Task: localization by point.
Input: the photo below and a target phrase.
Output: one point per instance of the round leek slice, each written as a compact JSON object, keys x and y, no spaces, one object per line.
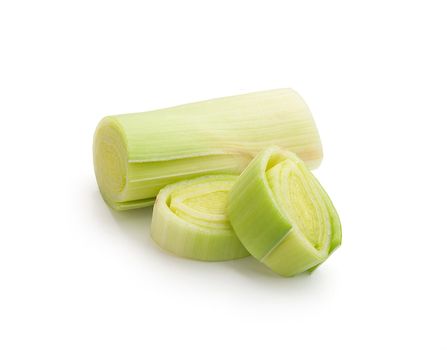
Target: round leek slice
{"x":282,"y":215}
{"x":190,"y":219}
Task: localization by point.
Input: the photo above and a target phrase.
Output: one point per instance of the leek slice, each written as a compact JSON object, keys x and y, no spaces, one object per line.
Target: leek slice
{"x":190,"y":220}
{"x":136,"y":155}
{"x":282,"y":215}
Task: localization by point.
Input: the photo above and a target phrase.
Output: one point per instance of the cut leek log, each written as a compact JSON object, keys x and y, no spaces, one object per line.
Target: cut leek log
{"x":282,"y":215}
{"x":135,"y":155}
{"x":190,"y":219}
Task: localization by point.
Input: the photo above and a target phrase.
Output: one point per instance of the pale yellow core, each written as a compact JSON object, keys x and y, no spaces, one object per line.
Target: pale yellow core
{"x":203,"y":204}
{"x":299,"y":201}
{"x":211,"y":203}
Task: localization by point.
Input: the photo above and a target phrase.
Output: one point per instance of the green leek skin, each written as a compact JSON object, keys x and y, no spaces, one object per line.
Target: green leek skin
{"x":136,"y":155}
{"x":290,"y":226}
{"x":190,"y":220}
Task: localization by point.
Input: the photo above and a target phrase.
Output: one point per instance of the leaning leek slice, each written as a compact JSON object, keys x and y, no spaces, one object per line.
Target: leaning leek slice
{"x":190,"y":219}
{"x":282,"y":215}
{"x":136,"y":155}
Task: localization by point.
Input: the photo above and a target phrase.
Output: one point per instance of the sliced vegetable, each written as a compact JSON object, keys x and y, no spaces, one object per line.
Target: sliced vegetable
{"x":190,"y":219}
{"x":282,"y":215}
{"x":135,"y":155}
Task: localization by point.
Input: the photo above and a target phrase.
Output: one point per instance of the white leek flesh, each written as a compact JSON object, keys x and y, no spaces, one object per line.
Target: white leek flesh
{"x":135,"y":155}
{"x":190,"y":219}
{"x":282,"y":215}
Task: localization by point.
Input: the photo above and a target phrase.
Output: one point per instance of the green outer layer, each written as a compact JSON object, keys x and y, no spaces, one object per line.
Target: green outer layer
{"x":135,"y":155}
{"x":264,"y":230}
{"x":189,"y":240}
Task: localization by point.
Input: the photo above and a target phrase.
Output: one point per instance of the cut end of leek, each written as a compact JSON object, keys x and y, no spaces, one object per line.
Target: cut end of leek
{"x":282,"y":215}
{"x":136,"y":155}
{"x":190,"y":220}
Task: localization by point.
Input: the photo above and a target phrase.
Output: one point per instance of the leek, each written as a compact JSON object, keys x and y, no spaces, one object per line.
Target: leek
{"x":190,"y":220}
{"x":136,"y":155}
{"x":282,"y":215}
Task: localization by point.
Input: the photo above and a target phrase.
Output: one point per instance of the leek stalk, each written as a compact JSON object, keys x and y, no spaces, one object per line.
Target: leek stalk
{"x":136,"y":155}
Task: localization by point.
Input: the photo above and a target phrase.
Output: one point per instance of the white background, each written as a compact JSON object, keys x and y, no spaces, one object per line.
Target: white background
{"x":76,"y":275}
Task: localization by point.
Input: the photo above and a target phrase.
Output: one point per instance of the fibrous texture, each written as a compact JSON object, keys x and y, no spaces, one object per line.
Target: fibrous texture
{"x":282,"y":215}
{"x":135,"y":155}
{"x":190,"y":219}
